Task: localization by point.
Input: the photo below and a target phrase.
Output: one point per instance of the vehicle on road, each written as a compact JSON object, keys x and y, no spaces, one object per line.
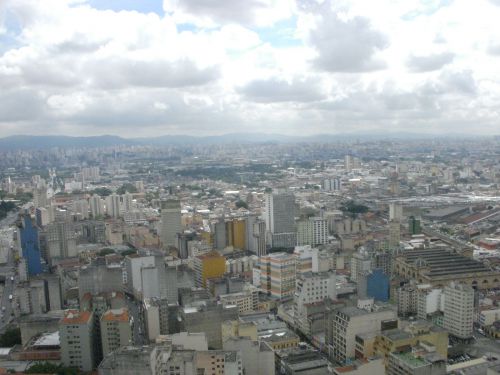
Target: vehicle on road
{"x":10,"y":297}
{"x":3,"y":308}
{"x":12,"y":278}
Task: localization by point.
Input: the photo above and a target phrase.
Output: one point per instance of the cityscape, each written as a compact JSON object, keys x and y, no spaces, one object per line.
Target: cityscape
{"x":258,"y":187}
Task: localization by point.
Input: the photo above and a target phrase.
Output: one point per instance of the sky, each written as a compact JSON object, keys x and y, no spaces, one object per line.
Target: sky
{"x":205,"y":67}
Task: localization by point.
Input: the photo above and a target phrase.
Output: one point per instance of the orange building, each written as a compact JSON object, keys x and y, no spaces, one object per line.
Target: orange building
{"x":208,"y":266}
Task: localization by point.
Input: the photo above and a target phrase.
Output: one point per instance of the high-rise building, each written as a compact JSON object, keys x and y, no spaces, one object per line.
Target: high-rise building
{"x":96,"y":206}
{"x":61,"y":240}
{"x":236,"y":233}
{"x":395,"y":212}
{"x":312,"y":231}
{"x":113,"y":205}
{"x":76,"y":336}
{"x":348,"y":322}
{"x":170,"y":221}
{"x":81,"y":208}
{"x":133,"y":266}
{"x":156,"y":317}
{"x":312,"y":287}
{"x":116,"y":330}
{"x":40,"y":197}
{"x":207,"y":266}
{"x":360,"y":262}
{"x":278,"y":275}
{"x":394,"y":234}
{"x":28,"y":235}
{"x":414,"y":226}
{"x":459,"y":310}
{"x":256,"y":235}
{"x":127,"y":202}
{"x":332,"y":184}
{"x":280,"y":219}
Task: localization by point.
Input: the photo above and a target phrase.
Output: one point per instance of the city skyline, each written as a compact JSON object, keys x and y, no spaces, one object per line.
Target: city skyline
{"x":149,"y":68}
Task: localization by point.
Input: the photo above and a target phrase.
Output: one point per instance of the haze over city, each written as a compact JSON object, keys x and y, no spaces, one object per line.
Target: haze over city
{"x":149,"y":68}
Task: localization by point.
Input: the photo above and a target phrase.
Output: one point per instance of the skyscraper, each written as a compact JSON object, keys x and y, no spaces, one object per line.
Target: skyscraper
{"x":280,"y":219}
{"x":96,"y":206}
{"x":459,"y":310}
{"x":170,"y":221}
{"x":113,"y":205}
{"x":28,"y":235}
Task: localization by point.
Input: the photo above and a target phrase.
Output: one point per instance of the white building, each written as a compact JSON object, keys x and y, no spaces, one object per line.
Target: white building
{"x":312,"y":231}
{"x":459,"y":310}
{"x":96,"y":206}
{"x":170,"y":222}
{"x":314,"y":287}
{"x":113,"y":205}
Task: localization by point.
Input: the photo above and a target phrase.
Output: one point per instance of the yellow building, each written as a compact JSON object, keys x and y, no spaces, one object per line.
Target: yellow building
{"x":287,"y":340}
{"x":208,"y":266}
{"x":394,"y":340}
{"x":236,"y":230}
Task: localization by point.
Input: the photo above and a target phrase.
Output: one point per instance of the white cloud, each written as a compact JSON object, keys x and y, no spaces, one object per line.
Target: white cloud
{"x":224,"y":66}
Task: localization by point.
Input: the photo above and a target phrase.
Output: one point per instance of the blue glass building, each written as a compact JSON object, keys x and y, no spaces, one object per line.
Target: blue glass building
{"x":377,"y":285}
{"x":30,"y":246}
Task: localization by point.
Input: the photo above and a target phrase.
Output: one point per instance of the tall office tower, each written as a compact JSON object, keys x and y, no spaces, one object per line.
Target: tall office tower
{"x":208,"y":266}
{"x":90,"y":174}
{"x":331,"y":184}
{"x":394,"y":234}
{"x":360,"y":263}
{"x":459,"y":310}
{"x":395,"y":212}
{"x":351,"y":162}
{"x":44,"y":216}
{"x":81,"y":207}
{"x":116,"y":330}
{"x":156,"y":317}
{"x":127,"y":202}
{"x":280,"y":219}
{"x":61,"y":240}
{"x":40,"y":197}
{"x":348,"y":322}
{"x":236,"y":233}
{"x":76,"y":336}
{"x":170,"y":221}
{"x":312,"y":231}
{"x":220,"y":234}
{"x":256,"y":235}
{"x":96,"y":206}
{"x":113,"y":205}
{"x":278,"y":275}
{"x":28,"y":235}
{"x":133,"y":266}
{"x":414,"y":225}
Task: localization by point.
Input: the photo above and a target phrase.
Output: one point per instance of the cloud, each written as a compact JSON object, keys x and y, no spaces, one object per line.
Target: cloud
{"x":119,"y":73}
{"x":244,"y":12}
{"x":347,"y":45}
{"x":430,"y":62}
{"x":494,"y":49}
{"x":278,"y":90}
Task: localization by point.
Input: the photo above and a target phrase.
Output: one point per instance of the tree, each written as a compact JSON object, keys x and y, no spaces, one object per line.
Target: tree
{"x":126,"y":187}
{"x":128,"y":252}
{"x":106,"y":251}
{"x":10,"y":338}
{"x":241,"y":203}
{"x":103,"y":192}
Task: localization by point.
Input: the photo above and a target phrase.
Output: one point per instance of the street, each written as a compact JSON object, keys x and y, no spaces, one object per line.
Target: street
{"x":7,"y":270}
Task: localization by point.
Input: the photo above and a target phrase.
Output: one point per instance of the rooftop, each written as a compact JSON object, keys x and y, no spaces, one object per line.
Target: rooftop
{"x":76,"y":317}
{"x":118,"y":315}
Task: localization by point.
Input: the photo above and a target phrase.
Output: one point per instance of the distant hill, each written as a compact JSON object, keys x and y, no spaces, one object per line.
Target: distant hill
{"x":32,"y":142}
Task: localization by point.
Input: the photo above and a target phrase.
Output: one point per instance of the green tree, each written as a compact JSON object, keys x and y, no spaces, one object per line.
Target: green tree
{"x":126,"y":187}
{"x":10,"y":338}
{"x":241,"y":203}
{"x":106,"y":251}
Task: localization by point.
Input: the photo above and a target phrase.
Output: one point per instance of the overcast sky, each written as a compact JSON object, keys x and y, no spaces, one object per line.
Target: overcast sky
{"x":203,"y":67}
